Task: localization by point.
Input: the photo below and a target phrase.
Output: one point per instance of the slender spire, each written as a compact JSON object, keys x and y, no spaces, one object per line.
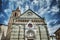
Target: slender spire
{"x":17,"y":9}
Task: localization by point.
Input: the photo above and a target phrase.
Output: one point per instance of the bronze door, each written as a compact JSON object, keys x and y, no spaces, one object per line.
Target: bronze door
{"x":30,"y":39}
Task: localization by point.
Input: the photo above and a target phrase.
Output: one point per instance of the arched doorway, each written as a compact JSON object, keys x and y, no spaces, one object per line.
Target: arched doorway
{"x":30,"y":35}
{"x":30,"y":39}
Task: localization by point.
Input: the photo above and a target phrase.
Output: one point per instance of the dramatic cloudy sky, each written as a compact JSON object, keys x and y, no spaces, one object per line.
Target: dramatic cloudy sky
{"x":48,"y":9}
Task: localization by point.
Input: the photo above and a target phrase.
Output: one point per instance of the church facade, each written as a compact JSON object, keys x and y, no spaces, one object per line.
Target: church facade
{"x":26,"y":26}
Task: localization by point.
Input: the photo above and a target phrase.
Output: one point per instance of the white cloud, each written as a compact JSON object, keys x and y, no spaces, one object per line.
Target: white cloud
{"x":48,"y":2}
{"x":55,"y":9}
{"x":19,"y":3}
{"x":54,"y":20}
{"x":22,"y":10}
{"x":6,"y":22}
{"x":8,"y":12}
{"x":12,"y":0}
{"x":53,"y":29}
{"x":20,"y":7}
{"x":26,"y":7}
{"x":1,"y":15}
{"x":42,"y":11}
{"x":36,"y":1}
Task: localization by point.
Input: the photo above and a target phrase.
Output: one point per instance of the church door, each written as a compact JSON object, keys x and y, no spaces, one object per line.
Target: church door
{"x":30,"y":39}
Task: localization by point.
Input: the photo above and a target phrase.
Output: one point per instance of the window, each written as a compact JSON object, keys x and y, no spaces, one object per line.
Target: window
{"x":29,"y":13}
{"x":15,"y":14}
{"x":29,"y":25}
{"x":30,"y":33}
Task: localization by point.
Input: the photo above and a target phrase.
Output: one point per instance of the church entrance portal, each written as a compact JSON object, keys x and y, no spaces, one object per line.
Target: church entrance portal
{"x":30,"y":39}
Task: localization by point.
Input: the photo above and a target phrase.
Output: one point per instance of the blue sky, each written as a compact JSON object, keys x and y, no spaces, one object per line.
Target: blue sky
{"x":48,"y":9}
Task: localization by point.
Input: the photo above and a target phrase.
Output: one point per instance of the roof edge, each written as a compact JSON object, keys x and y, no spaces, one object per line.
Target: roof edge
{"x":33,"y":12}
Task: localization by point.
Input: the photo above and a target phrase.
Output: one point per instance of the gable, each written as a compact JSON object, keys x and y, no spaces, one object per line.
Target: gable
{"x":29,"y":14}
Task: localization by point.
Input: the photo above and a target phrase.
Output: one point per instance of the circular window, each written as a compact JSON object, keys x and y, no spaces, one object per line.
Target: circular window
{"x":29,"y":25}
{"x":30,"y":33}
{"x":29,"y":13}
